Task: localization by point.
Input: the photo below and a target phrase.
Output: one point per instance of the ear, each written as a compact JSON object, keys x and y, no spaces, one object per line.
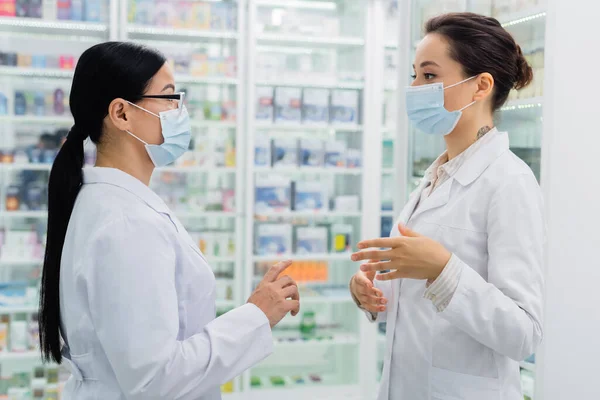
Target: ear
{"x":118,"y":113}
{"x":485,"y":86}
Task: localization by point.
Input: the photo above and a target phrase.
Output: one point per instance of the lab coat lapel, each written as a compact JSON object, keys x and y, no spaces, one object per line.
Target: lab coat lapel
{"x":438,"y":198}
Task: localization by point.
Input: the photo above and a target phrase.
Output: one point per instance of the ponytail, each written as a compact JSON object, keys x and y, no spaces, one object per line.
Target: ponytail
{"x":66,"y":178}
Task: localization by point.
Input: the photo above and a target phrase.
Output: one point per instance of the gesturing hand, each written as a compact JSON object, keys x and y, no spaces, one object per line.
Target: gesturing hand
{"x":408,"y":256}
{"x":276,"y":296}
{"x":369,"y":297}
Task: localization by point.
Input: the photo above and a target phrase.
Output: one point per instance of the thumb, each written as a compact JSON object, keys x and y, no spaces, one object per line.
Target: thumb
{"x":404,"y":231}
{"x":370,"y":275}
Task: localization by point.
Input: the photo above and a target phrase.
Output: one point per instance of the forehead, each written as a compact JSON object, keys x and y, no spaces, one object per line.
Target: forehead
{"x":433,"y":47}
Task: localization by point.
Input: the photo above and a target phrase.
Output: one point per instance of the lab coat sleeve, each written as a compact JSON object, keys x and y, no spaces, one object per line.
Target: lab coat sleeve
{"x":134,"y":307}
{"x":505,"y":313}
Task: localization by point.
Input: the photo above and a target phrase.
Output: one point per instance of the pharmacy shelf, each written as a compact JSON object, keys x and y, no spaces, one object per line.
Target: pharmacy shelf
{"x":307,"y":128}
{"x":205,"y":214}
{"x":35,"y":119}
{"x":197,"y":169}
{"x":330,"y":84}
{"x":292,"y":391}
{"x":523,"y":104}
{"x":165,"y":33}
{"x":388,"y":214}
{"x":343,"y":339}
{"x":221,"y":259}
{"x":308,"y":214}
{"x":312,"y":41}
{"x":47,"y":27}
{"x":24,"y":214}
{"x":338,"y":299}
{"x":8,"y":356}
{"x":388,"y":171}
{"x":223,"y":304}
{"x":309,"y":170}
{"x":389,"y":132}
{"x":302,"y":257}
{"x":209,"y":80}
{"x":19,"y":309}
{"x":522,"y":17}
{"x":200,"y":123}
{"x":527,"y":366}
{"x":325,"y":6}
{"x":380,"y":338}
{"x":26,"y":167}
{"x":36,"y":72}
{"x":5,"y":263}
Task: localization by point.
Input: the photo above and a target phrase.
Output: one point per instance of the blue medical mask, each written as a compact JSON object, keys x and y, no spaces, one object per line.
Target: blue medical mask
{"x":425,"y":108}
{"x":176,"y":131}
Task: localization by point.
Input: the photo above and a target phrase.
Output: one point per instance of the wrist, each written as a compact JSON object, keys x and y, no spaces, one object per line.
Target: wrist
{"x":443,"y":260}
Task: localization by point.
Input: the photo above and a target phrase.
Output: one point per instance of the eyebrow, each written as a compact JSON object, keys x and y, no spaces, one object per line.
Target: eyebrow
{"x":427,"y":63}
{"x":168,"y":86}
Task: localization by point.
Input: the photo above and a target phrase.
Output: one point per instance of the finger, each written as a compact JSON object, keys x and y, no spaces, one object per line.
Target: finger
{"x":378,"y":266}
{"x":404,"y":231}
{"x":372,"y":300}
{"x":370,"y":274}
{"x":290,"y":292}
{"x":374,"y":308}
{"x":293,"y":306}
{"x":376,"y":255}
{"x":284,"y":281}
{"x":276,"y":269}
{"x":388,"y":276}
{"x":364,"y":281}
{"x":379,"y":243}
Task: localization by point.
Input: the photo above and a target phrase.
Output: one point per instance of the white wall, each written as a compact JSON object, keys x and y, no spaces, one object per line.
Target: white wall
{"x":570,"y":360}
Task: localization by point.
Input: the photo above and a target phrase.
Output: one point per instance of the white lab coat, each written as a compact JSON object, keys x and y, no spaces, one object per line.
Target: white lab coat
{"x":489,"y":214}
{"x":137,"y":302}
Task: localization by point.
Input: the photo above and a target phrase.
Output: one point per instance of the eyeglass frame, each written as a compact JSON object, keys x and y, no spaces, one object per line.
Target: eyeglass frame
{"x":175,"y":96}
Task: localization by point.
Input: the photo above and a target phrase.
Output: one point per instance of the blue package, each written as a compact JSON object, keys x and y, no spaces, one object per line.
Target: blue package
{"x":93,"y":11}
{"x":311,"y":240}
{"x":272,"y":194}
{"x":262,"y":151}
{"x":76,"y":10}
{"x":3,"y":104}
{"x":38,"y":61}
{"x":315,"y":106}
{"x":218,"y":16}
{"x":39,"y":104}
{"x":272,"y":239}
{"x":353,"y":158}
{"x":12,"y":293}
{"x":309,"y":196}
{"x":387,"y":224}
{"x":344,"y":107}
{"x":20,"y":103}
{"x":264,"y":104}
{"x":284,"y":152}
{"x":312,"y":153}
{"x":288,"y":105}
{"x":335,"y":154}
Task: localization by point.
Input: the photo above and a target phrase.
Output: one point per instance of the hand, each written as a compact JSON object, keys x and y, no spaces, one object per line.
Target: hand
{"x":409,"y":256}
{"x":273,"y":294}
{"x":370,"y":298}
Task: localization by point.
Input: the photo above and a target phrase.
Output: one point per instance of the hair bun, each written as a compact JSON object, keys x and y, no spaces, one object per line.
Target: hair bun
{"x":524,"y":72}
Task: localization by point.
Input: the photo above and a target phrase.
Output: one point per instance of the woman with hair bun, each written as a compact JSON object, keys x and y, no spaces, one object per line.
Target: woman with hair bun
{"x":462,"y":295}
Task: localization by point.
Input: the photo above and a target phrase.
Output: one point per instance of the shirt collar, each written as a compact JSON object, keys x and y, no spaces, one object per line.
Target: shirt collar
{"x":118,"y":178}
{"x":456,"y":167}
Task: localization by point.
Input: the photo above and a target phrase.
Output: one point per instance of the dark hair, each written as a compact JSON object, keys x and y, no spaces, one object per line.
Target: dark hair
{"x":480,"y":44}
{"x":104,"y":72}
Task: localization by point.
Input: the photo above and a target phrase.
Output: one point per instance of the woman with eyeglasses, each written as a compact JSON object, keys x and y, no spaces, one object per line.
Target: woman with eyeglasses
{"x":127,"y":298}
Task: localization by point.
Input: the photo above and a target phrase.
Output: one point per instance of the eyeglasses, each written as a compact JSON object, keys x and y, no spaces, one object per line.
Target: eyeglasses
{"x":178,"y":97}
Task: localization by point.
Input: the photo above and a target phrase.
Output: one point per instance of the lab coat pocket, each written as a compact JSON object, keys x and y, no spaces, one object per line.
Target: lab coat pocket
{"x":448,"y":385}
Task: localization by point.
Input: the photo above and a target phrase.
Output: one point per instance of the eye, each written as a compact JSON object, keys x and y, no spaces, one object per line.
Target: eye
{"x":414,"y":76}
{"x":429,"y":76}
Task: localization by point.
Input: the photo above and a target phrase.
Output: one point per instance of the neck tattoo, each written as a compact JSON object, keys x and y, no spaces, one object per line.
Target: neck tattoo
{"x":482,"y":131}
